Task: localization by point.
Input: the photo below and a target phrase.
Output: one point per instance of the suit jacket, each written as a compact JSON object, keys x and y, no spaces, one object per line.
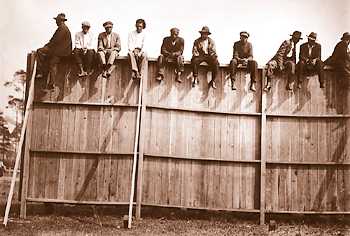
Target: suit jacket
{"x":315,"y":52}
{"x":197,"y":49}
{"x":282,"y":52}
{"x":168,"y":47}
{"x":61,"y":42}
{"x":241,"y":51}
{"x":102,"y":42}
{"x":340,"y":58}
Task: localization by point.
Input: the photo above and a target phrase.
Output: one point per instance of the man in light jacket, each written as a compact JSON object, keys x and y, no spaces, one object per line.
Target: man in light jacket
{"x":108,"y":48}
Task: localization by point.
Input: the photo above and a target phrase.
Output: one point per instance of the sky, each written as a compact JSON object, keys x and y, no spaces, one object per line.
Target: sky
{"x":26,"y":25}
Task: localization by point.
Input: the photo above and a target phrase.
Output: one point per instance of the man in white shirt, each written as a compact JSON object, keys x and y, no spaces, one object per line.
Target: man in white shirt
{"x":136,"y":53}
{"x":284,"y":60}
{"x":83,"y":51}
{"x":108,"y":48}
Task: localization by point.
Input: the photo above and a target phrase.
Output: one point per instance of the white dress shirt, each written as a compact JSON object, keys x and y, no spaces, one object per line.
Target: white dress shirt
{"x":290,"y":53}
{"x":136,"y":40}
{"x":84,"y":40}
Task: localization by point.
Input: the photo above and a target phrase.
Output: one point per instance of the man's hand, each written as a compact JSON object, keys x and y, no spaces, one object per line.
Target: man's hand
{"x":313,"y":61}
{"x":84,"y":50}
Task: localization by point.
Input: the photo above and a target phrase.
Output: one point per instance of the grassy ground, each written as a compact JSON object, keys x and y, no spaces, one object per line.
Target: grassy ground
{"x":69,"y":220}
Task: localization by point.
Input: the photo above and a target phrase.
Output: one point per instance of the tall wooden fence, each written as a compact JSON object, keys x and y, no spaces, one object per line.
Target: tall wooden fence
{"x":199,"y":148}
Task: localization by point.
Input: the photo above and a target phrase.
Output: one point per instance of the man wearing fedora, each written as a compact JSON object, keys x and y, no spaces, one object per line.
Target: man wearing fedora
{"x":60,"y":45}
{"x":136,"y":43}
{"x":243,"y":55}
{"x":108,"y":48}
{"x":171,"y":51}
{"x":340,"y":58}
{"x":310,"y":59}
{"x":204,"y":51}
{"x":83,"y":50}
{"x":284,"y":60}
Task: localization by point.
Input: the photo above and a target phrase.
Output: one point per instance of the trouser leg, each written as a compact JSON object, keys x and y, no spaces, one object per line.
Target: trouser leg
{"x":320,"y":71}
{"x":180,"y":63}
{"x":233,"y":67}
{"x":133,"y":62}
{"x":161,"y":64}
{"x":213,"y":65}
{"x":42,"y":57}
{"x":252,"y":68}
{"x":89,"y":57}
{"x":290,"y":70}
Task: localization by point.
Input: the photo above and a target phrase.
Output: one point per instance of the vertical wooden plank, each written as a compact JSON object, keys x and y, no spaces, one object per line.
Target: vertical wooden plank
{"x":263,"y":151}
{"x":142,"y":128}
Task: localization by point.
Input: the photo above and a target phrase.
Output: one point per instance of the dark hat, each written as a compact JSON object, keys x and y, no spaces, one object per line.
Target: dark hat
{"x":61,"y":17}
{"x":205,"y":30}
{"x":85,"y":23}
{"x":244,"y":33}
{"x":312,"y":36}
{"x":346,"y":35}
{"x":108,"y":24}
{"x":174,"y":29}
{"x":296,"y":34}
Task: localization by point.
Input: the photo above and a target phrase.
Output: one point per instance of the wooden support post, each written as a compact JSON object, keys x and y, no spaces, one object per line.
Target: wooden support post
{"x":141,"y":145}
{"x":21,"y":141}
{"x":263,"y":153}
{"x":143,"y":80}
{"x":26,"y":156}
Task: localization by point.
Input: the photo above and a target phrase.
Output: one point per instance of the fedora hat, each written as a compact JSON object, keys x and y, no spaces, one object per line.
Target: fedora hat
{"x":312,"y":36}
{"x":61,"y":16}
{"x":296,"y":34}
{"x":205,"y":30}
{"x":244,"y":33}
{"x":345,"y":36}
{"x":108,"y":24}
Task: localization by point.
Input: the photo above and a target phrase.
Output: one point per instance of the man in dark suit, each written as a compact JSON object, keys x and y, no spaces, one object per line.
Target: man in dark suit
{"x":340,"y":58}
{"x":243,"y":55}
{"x":310,"y":59}
{"x":284,"y":60}
{"x":204,"y":51}
{"x":108,"y":48}
{"x":60,"y":45}
{"x":171,"y":51}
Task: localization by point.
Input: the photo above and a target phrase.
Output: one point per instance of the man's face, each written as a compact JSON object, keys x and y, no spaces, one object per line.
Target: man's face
{"x":85,"y":29}
{"x":139,"y":27}
{"x":174,"y":34}
{"x":204,"y":35}
{"x":295,"y":39}
{"x":311,"y":41}
{"x":244,"y":39}
{"x":58,"y":22}
{"x":109,"y":29}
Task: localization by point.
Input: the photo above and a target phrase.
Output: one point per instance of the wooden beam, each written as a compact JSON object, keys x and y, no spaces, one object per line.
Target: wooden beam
{"x":48,"y":200}
{"x":82,"y":152}
{"x":307,"y":163}
{"x":50,"y":103}
{"x":199,"y":158}
{"x":203,"y":110}
{"x":316,"y":116}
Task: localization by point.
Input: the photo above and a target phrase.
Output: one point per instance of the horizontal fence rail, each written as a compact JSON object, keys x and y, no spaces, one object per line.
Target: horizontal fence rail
{"x":277,"y":152}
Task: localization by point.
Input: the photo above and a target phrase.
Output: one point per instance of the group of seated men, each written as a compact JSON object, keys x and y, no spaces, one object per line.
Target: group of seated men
{"x":203,"y":50}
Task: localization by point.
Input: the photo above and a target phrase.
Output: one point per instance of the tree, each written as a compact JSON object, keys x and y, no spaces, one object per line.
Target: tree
{"x":5,"y":142}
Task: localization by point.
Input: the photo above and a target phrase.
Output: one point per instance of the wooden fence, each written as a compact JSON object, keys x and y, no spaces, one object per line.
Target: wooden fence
{"x":280,"y":152}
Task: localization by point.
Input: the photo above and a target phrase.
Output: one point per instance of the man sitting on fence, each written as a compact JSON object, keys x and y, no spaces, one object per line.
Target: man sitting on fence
{"x":171,"y":50}
{"x":59,"y":46}
{"x":284,"y":59}
{"x":310,"y":59}
{"x":83,"y":51}
{"x":204,"y":51}
{"x":137,"y":55}
{"x":108,"y":48}
{"x":243,"y":55}
{"x":340,"y":59}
